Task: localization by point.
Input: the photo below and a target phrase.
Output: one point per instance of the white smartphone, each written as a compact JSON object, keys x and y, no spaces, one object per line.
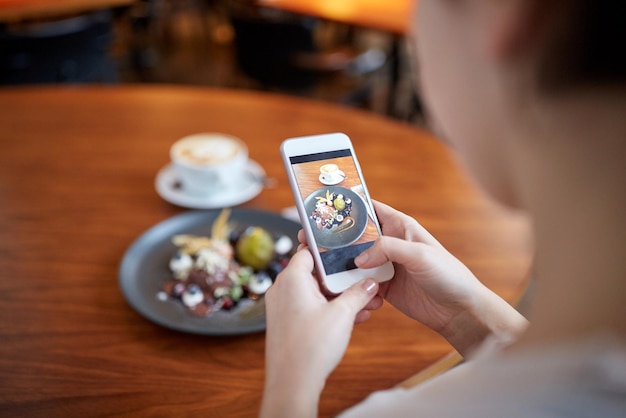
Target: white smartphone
{"x":335,"y":209}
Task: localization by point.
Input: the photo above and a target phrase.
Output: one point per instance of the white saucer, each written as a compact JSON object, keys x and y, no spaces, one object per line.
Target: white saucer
{"x":332,"y":183}
{"x":248,"y":187}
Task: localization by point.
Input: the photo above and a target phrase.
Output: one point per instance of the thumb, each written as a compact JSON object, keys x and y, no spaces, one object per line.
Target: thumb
{"x":357,"y":296}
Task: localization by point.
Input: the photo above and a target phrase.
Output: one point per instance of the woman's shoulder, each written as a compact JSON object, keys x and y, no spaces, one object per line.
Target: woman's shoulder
{"x":578,"y":377}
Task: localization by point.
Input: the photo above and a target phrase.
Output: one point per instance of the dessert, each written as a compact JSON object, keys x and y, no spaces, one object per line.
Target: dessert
{"x":332,"y":211}
{"x":211,"y":273}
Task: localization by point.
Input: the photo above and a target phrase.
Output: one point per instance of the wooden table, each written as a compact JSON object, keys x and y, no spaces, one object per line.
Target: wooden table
{"x":77,"y":172}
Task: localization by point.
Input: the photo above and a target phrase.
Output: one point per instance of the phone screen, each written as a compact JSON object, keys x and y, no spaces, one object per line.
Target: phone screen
{"x":337,"y":206}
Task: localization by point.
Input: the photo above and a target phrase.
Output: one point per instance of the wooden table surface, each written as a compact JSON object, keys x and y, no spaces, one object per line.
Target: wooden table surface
{"x":77,"y":171}
{"x":388,"y":15}
{"x":17,"y":10}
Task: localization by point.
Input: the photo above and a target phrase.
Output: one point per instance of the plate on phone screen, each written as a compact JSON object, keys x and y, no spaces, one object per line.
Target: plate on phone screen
{"x":338,"y":216}
{"x":145,"y":268}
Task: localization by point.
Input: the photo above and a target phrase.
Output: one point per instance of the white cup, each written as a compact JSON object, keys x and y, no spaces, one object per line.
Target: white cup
{"x":331,"y":173}
{"x":209,"y":162}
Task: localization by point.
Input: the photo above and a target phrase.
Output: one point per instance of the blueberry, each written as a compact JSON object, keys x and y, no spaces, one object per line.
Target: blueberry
{"x":274,"y":268}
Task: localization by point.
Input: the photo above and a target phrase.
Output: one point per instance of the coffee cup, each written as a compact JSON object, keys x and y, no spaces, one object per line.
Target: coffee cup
{"x":206,"y":163}
{"x":331,"y":173}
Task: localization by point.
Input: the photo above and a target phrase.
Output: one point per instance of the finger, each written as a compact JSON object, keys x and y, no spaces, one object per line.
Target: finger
{"x":400,"y":225}
{"x":301,"y":237}
{"x":362,"y":316}
{"x":296,"y":279}
{"x":300,"y":265}
{"x":375,"y":304}
{"x":357,"y":296}
{"x":391,"y":249}
{"x":365,"y":313}
{"x":301,"y":260}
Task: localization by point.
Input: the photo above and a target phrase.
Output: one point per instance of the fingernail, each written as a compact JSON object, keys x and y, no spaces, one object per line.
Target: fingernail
{"x":369,"y":285}
{"x":362,"y":258}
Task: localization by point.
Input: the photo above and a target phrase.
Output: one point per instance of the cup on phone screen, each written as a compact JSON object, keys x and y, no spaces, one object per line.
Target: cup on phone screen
{"x":206,"y":163}
{"x":330,"y":173}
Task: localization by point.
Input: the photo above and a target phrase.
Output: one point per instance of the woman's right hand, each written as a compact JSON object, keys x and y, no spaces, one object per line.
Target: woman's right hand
{"x":433,"y":287}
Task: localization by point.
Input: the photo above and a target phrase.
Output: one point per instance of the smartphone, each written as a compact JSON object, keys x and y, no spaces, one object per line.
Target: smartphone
{"x":334,"y":206}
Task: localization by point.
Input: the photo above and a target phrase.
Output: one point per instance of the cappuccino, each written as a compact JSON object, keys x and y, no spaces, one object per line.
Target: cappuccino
{"x":209,"y":162}
{"x":206,"y":149}
{"x":329,"y":169}
{"x":331,"y":174}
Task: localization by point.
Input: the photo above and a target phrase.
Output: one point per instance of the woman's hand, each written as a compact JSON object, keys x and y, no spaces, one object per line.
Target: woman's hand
{"x":307,"y":336}
{"x":435,"y":288}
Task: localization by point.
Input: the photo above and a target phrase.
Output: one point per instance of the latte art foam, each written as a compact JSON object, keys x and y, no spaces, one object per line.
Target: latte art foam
{"x":206,"y":151}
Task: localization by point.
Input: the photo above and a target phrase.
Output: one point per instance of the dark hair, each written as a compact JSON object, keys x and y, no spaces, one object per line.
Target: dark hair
{"x":588,"y":46}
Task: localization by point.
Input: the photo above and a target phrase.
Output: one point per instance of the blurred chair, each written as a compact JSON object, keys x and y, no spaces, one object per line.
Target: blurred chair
{"x":279,"y":52}
{"x":71,"y":50}
{"x":269,"y":51}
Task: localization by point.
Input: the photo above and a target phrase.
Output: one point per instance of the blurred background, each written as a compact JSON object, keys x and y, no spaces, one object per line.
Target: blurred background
{"x":239,"y":44}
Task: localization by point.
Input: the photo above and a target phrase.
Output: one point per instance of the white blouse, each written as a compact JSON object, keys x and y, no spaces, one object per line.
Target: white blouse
{"x":580,"y":378}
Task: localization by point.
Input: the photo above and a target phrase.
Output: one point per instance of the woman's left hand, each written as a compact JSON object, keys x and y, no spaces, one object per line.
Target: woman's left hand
{"x":307,"y":335}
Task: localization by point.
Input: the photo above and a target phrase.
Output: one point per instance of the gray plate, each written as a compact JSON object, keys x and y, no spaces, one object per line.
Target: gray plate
{"x":144,"y":269}
{"x":326,"y":238}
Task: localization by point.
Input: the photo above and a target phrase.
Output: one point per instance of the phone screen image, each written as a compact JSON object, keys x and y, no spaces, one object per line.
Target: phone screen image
{"x":337,"y":207}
